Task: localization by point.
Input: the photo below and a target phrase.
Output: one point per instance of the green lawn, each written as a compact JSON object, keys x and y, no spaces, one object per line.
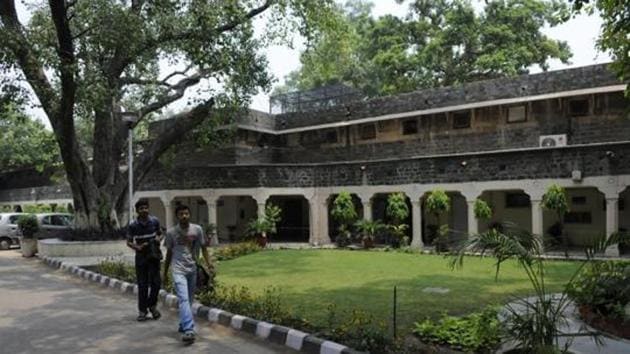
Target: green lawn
{"x":311,"y":279}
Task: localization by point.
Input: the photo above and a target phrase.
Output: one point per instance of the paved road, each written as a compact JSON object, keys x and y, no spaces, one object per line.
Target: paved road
{"x":46,"y":311}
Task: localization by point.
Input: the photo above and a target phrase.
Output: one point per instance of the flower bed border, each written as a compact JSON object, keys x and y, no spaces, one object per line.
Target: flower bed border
{"x":292,"y":338}
{"x":606,"y":325}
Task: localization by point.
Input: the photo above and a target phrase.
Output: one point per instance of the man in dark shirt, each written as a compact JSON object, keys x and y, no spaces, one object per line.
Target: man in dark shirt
{"x":144,"y":236}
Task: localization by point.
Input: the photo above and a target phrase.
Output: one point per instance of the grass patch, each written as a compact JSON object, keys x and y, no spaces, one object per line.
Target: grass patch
{"x":310,"y":280}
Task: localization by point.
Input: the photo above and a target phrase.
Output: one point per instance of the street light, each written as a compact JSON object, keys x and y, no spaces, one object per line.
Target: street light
{"x":130,"y":118}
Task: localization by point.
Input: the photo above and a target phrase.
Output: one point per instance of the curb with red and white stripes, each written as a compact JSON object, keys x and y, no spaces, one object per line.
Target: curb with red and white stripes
{"x":289,"y":337}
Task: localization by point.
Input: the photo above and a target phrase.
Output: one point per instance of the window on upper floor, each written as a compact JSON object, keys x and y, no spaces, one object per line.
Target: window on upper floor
{"x":461,"y":120}
{"x":310,"y":137}
{"x":410,"y":126}
{"x":367,"y":131}
{"x":578,"y":107}
{"x":330,"y":136}
{"x":516,"y":114}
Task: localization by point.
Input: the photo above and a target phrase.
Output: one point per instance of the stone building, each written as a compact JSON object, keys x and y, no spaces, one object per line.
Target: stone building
{"x":503,"y":140}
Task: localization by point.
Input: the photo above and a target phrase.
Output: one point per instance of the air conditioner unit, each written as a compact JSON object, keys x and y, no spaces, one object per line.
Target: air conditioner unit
{"x":553,"y":140}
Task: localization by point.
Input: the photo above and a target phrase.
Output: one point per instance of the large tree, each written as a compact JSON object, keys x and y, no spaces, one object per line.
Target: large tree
{"x":85,"y":59}
{"x":440,"y":42}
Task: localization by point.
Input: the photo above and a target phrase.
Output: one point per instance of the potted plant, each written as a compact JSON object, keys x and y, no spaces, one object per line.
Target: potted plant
{"x":555,"y":199}
{"x":264,"y":226}
{"x":28,"y":227}
{"x":345,"y":214}
{"x":211,"y":234}
{"x":397,"y":210}
{"x":368,"y":230}
{"x":258,"y":229}
{"x":439,"y":203}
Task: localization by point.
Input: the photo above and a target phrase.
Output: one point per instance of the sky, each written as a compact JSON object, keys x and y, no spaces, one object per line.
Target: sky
{"x":580,"y":32}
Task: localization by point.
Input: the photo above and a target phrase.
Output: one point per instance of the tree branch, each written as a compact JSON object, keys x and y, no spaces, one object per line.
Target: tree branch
{"x":138,"y":81}
{"x":27,"y":60}
{"x":182,"y":123}
{"x":179,"y":90}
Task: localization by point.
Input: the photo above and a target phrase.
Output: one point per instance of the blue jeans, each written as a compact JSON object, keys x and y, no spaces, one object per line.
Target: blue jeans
{"x":185,"y":289}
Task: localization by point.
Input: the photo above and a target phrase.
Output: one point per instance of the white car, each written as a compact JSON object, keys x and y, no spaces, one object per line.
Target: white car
{"x":8,"y":230}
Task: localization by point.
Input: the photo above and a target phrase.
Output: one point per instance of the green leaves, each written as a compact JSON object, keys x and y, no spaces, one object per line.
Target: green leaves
{"x":438,"y":202}
{"x":24,"y":142}
{"x":439,"y":43}
{"x":482,"y":209}
{"x":397,"y":208}
{"x":555,"y":199}
{"x":343,"y":209}
{"x":478,"y":332}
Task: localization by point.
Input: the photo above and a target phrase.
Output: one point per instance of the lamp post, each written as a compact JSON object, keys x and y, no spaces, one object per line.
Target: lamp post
{"x":130,"y":118}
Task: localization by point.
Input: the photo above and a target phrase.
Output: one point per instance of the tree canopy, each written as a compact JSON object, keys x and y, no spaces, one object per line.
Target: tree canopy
{"x":84,"y":60}
{"x":615,"y":35}
{"x":24,"y":142}
{"x":439,"y":43}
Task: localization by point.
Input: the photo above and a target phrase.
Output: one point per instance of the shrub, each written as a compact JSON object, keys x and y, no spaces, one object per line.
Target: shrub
{"x":604,"y":287}
{"x":477,"y":332}
{"x":240,"y":300}
{"x":117,"y":269}
{"x":236,"y":250}
{"x":358,"y":330}
{"x":127,"y":272}
{"x":28,"y":226}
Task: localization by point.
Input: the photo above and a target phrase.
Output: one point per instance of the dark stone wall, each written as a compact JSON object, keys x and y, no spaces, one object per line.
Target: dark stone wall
{"x":526,"y":85}
{"x":25,"y":178}
{"x":538,"y":163}
{"x":61,"y":191}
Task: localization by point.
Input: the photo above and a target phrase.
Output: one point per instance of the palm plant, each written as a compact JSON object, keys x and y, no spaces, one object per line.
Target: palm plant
{"x":369,"y":229}
{"x":535,"y":323}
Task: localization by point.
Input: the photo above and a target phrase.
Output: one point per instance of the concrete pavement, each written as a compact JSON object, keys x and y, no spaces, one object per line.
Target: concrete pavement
{"x":48,"y":311}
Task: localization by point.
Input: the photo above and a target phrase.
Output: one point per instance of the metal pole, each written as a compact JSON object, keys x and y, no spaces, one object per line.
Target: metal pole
{"x":130,"y":163}
{"x":394,"y":312}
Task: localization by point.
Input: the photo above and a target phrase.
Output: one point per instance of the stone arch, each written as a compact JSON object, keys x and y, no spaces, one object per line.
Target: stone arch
{"x":379,"y":207}
{"x":509,"y":206}
{"x":457,"y":218}
{"x":333,"y":225}
{"x":294,"y":225}
{"x":233,"y":213}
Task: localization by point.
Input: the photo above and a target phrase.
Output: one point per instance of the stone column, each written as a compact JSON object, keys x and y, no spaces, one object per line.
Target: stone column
{"x":313,"y":221}
{"x":416,"y":224}
{"x":261,"y":201}
{"x":324,"y":233}
{"x":473,"y":223}
{"x":537,"y":220}
{"x":366,"y":200}
{"x":168,"y":212}
{"x":612,"y":223}
{"x":211,"y":202}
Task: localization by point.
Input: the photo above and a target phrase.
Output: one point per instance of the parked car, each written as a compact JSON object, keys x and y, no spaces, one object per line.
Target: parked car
{"x":51,"y":223}
{"x":9,"y":235}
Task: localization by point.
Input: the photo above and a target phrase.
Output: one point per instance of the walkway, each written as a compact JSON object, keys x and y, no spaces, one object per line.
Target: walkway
{"x":46,"y":311}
